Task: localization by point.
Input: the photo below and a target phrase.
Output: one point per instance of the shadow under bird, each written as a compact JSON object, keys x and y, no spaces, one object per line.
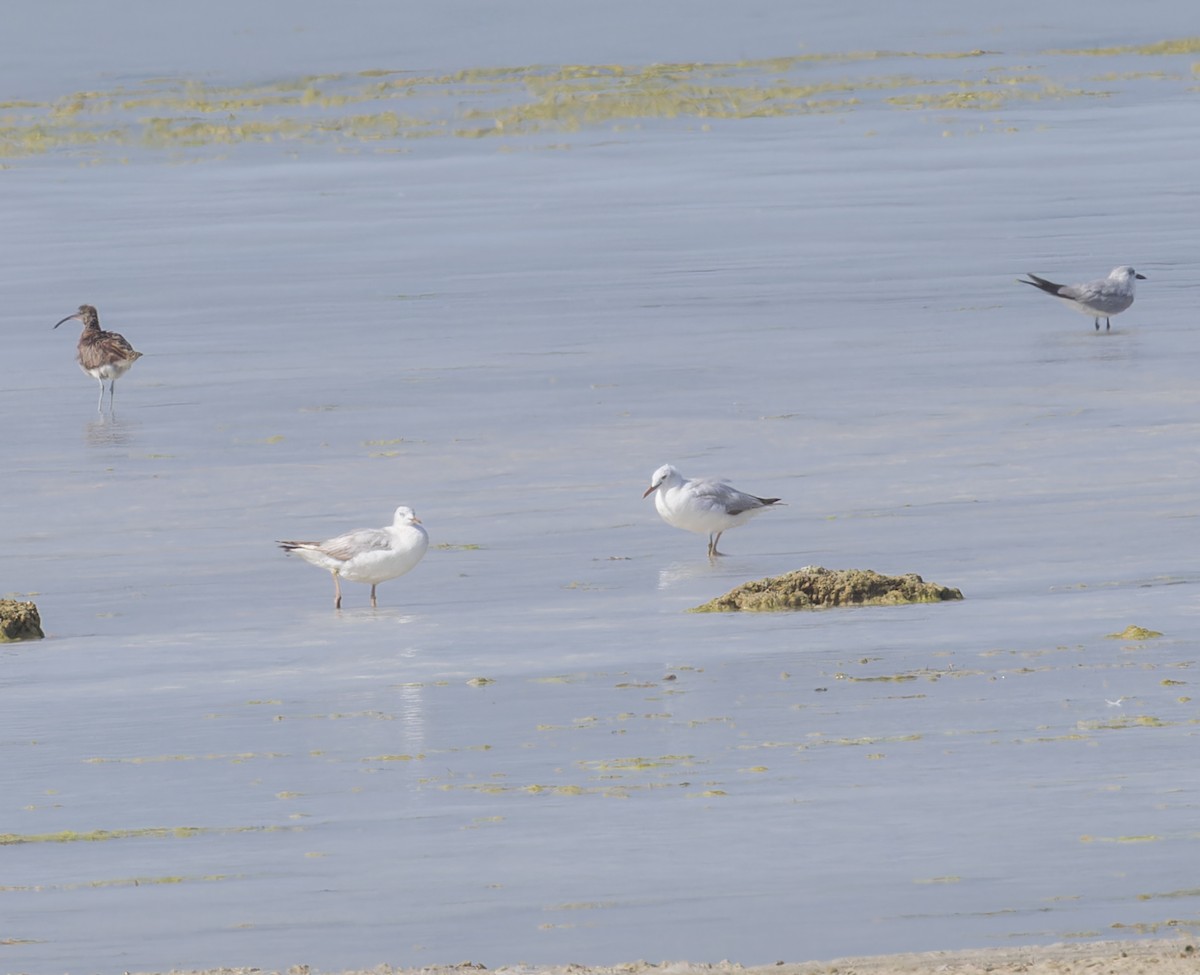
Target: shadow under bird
{"x":367,"y":555}
{"x":701,"y":505}
{"x":1100,"y":299}
{"x":105,"y":356}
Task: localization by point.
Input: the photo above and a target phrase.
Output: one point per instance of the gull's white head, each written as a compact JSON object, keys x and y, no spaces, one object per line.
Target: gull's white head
{"x":1125,"y":274}
{"x":663,"y":475}
{"x":405,"y":516}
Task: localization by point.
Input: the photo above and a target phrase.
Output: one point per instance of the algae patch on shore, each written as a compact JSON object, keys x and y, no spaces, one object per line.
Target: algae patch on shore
{"x":1134,"y":632}
{"x":387,"y":109}
{"x":816,"y":587}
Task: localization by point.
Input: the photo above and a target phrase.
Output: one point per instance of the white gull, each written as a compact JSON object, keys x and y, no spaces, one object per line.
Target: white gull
{"x":701,"y":505}
{"x":367,"y":555}
{"x":1100,"y":299}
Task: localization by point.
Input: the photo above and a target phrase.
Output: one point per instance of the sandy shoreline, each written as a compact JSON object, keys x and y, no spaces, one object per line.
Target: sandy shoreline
{"x":1177,"y":956}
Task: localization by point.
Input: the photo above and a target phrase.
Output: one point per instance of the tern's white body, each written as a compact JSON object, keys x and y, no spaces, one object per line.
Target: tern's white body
{"x":703,"y":506}
{"x":368,"y":555}
{"x":1101,"y":299}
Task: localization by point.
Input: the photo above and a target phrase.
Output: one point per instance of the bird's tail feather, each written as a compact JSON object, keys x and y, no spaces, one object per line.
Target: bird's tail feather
{"x":1047,"y":286}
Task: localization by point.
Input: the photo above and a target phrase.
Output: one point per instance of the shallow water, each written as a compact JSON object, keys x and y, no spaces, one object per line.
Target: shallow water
{"x":530,"y":751}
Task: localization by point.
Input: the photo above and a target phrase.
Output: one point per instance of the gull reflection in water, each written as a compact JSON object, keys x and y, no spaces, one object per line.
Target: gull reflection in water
{"x":678,"y":572}
{"x":107,"y":431}
{"x":412,"y":716}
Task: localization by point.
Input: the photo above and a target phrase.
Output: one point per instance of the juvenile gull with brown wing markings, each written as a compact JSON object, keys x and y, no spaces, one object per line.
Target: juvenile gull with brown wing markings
{"x":368,"y":555}
{"x":102,"y":355}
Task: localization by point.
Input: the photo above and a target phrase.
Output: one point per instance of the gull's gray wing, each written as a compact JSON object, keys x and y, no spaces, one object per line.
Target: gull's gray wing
{"x":1104,"y":296}
{"x":725,"y":497}
{"x":345,"y":547}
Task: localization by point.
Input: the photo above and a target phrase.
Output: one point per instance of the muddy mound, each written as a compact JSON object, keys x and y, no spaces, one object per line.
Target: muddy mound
{"x":19,"y":621}
{"x":819,"y":588}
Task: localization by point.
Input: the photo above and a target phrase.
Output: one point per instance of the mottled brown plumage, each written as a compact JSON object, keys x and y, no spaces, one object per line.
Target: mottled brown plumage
{"x":102,"y":355}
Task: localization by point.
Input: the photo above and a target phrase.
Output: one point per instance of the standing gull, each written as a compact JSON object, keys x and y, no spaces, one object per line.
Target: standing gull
{"x":1100,"y":299}
{"x":102,"y":355}
{"x":368,"y":555}
{"x":701,"y":505}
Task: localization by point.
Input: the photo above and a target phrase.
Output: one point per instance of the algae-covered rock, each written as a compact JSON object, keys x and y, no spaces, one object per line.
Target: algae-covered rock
{"x":1134,"y":633}
{"x":19,"y":621}
{"x":819,"y":588}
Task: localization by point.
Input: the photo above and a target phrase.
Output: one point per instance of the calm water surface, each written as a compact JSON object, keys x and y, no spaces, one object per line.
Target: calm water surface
{"x":530,"y":752}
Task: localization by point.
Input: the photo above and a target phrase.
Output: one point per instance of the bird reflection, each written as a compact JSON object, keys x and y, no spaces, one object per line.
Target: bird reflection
{"x":412,"y":715}
{"x":678,"y":572}
{"x":107,"y":431}
{"x":1113,"y":351}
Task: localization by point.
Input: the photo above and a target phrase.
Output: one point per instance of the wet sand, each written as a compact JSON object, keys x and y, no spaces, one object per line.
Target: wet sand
{"x":375,"y":262}
{"x":1163,"y":957}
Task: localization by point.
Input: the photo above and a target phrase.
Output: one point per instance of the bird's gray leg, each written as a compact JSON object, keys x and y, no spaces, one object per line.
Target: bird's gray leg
{"x":100,"y":402}
{"x":1097,"y":324}
{"x":712,"y":544}
{"x":373,"y":604}
{"x":337,"y":592}
{"x":1108,"y":324}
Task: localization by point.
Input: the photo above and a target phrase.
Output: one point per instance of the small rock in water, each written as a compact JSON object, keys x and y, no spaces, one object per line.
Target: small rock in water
{"x":1133,"y":632}
{"x":19,"y":621}
{"x":819,"y":588}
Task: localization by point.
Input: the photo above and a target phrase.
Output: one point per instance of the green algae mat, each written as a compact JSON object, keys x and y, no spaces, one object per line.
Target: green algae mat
{"x":820,"y":588}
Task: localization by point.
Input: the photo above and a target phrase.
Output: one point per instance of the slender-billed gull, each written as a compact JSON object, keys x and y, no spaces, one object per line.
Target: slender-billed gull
{"x":701,"y":505}
{"x":1100,"y":299}
{"x":102,"y":355}
{"x":368,"y":555}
